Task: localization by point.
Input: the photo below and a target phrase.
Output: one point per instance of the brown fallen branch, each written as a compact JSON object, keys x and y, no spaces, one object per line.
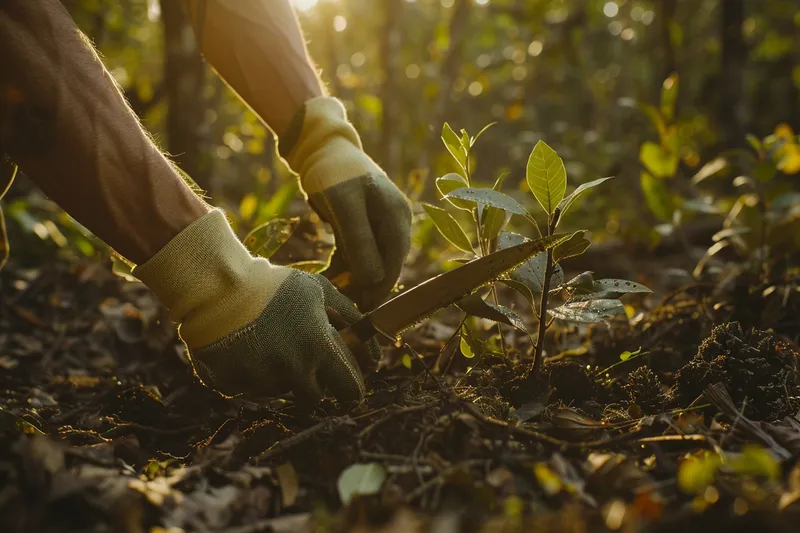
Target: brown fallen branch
{"x":718,"y":395}
{"x":298,"y":438}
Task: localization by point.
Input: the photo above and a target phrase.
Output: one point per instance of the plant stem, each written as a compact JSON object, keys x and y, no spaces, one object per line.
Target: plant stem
{"x":548,"y":274}
{"x":537,"y":357}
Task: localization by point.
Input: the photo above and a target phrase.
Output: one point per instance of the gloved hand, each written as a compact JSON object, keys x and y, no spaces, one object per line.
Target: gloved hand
{"x":370,"y":216}
{"x":251,"y":326}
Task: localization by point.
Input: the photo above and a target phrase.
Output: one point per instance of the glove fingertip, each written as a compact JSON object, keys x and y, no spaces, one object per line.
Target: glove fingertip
{"x":343,"y":376}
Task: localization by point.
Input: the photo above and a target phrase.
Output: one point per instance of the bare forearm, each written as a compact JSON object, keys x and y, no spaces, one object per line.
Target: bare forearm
{"x":257,"y":47}
{"x":64,"y":121}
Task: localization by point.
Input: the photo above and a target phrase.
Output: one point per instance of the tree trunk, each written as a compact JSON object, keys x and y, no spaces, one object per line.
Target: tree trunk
{"x":184,"y":77}
{"x":732,"y":110}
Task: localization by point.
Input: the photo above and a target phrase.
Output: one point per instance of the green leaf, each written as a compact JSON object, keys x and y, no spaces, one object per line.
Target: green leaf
{"x":280,"y":201}
{"x":530,"y":273}
{"x":624,"y":356}
{"x":582,"y":283}
{"x":453,"y":144}
{"x":755,"y":142}
{"x":588,"y":312}
{"x":669,"y":95}
{"x":466,"y":349}
{"x":474,"y":305}
{"x":477,"y":136}
{"x":248,"y":205}
{"x":470,"y":346}
{"x":520,"y":287}
{"x":491,"y":198}
{"x":448,"y":227}
{"x":696,"y":473}
{"x":406,"y":361}
{"x":362,"y":479}
{"x":567,"y":202}
{"x":576,"y":245}
{"x":754,"y":461}
{"x":266,"y":239}
{"x":494,"y":219}
{"x":8,"y":172}
{"x":547,"y":177}
{"x":657,"y":197}
{"x":658,"y":160}
{"x":655,"y":116}
{"x":451,"y":182}
{"x":313,"y":267}
{"x":465,"y":140}
{"x":620,"y":285}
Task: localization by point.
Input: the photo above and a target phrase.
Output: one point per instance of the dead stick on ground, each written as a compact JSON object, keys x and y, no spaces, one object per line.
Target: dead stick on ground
{"x":388,"y":416}
{"x":302,"y":436}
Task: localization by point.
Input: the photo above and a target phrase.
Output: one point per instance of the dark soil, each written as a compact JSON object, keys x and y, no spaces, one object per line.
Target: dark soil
{"x":104,"y":426}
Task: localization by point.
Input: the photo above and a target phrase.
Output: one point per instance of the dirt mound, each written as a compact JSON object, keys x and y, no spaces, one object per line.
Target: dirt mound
{"x":758,"y":369}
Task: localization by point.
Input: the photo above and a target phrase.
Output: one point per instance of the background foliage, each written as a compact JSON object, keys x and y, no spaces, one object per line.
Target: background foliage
{"x":574,"y":73}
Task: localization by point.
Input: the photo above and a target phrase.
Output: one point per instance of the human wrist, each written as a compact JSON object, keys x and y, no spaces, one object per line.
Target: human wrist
{"x":323,"y":147}
{"x":209,"y":281}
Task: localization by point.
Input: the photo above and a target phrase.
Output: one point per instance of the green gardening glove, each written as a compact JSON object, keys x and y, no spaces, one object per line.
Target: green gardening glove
{"x":250,"y":326}
{"x":370,"y":216}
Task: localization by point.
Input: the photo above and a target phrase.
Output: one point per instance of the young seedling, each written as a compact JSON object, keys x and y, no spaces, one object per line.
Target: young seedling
{"x":585,"y":300}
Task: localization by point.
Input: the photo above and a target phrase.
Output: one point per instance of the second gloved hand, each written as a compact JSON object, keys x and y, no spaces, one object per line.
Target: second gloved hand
{"x":251,"y":326}
{"x":370,"y":216}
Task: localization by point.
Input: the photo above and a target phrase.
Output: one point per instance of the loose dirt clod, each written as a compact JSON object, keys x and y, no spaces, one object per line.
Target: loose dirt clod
{"x":645,"y":390}
{"x":759,"y":371}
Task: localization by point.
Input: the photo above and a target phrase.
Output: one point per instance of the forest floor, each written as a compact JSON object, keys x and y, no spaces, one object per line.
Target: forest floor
{"x":104,"y":427}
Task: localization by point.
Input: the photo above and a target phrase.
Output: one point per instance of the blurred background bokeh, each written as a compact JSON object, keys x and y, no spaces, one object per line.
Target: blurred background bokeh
{"x":597,"y":80}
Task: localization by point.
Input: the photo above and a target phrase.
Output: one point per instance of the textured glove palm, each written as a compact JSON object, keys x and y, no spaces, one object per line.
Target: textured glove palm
{"x":370,"y":216}
{"x":251,"y":326}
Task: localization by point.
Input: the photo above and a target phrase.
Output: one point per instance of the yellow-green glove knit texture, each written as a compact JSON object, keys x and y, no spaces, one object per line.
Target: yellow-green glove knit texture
{"x":250,"y":326}
{"x":370,"y":216}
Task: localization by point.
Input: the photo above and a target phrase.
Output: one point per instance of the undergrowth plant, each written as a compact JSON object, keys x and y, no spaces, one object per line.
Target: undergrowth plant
{"x":761,"y":220}
{"x":540,"y":280}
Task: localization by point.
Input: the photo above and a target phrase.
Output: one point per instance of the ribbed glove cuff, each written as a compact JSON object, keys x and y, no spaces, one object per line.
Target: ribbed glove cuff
{"x":208,"y":280}
{"x":323,"y":147}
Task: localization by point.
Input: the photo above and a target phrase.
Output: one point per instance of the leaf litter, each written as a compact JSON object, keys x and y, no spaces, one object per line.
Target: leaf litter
{"x":104,"y":427}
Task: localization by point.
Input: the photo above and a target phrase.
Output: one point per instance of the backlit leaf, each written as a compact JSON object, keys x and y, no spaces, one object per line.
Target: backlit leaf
{"x":266,"y":239}
{"x":449,"y":183}
{"x":483,"y":130}
{"x":659,"y":161}
{"x":448,"y":227}
{"x":530,"y":273}
{"x":588,"y":312}
{"x":546,"y":176}
{"x":669,"y":95}
{"x":491,"y":198}
{"x":453,"y":144}
{"x":656,"y":196}
{"x":494,"y":219}
{"x":567,"y":202}
{"x":697,"y":472}
{"x":619,"y":285}
{"x":576,"y":245}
